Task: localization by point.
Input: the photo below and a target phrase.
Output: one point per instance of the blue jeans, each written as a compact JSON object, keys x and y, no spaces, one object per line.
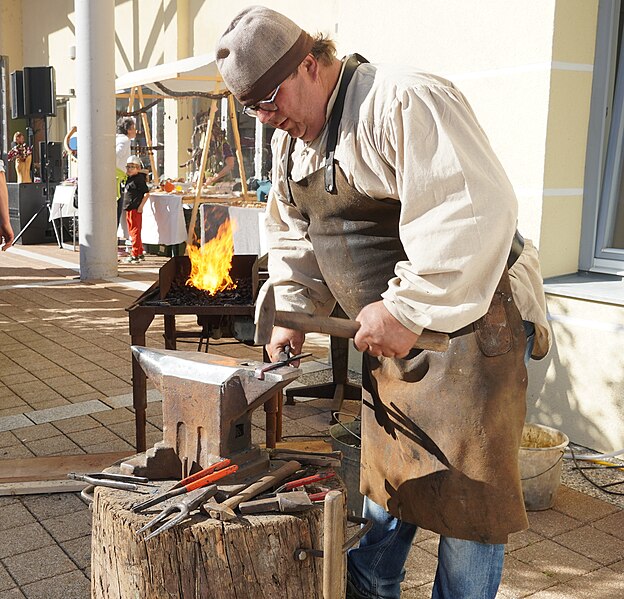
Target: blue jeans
{"x":466,"y":569}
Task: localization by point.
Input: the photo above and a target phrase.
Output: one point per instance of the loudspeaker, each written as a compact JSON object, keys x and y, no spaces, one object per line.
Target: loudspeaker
{"x":51,"y":161}
{"x":17,"y":95}
{"x":39,"y":91}
{"x":25,"y":200}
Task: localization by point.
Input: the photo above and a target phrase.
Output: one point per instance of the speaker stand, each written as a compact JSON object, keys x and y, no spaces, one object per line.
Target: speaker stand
{"x":48,"y":201}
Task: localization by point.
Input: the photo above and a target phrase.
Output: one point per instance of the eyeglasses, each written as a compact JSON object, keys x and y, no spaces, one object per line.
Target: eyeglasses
{"x":131,"y":166}
{"x":266,"y":105}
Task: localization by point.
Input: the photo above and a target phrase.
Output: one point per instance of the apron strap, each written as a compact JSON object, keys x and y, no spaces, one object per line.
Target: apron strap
{"x":353,"y":62}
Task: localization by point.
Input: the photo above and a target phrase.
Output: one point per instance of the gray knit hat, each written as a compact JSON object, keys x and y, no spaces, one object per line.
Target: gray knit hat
{"x":258,"y":51}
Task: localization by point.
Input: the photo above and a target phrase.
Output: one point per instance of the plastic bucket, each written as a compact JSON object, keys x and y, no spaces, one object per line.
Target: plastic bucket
{"x":541,"y":455}
{"x":345,"y":437}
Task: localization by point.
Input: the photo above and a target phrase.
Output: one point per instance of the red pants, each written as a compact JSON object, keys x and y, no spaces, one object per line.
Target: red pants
{"x":135,"y":222}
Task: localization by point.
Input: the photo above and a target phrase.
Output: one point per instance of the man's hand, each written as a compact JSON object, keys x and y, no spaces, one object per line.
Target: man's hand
{"x":280,"y":338}
{"x":6,"y":235}
{"x":381,"y":334}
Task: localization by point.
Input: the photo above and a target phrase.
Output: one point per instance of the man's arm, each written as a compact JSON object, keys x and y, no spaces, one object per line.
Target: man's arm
{"x":6,"y":231}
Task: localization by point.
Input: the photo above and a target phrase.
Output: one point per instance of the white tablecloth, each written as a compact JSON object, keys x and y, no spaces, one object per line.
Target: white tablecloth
{"x":63,"y":202}
{"x":248,"y":222}
{"x":163,"y":220}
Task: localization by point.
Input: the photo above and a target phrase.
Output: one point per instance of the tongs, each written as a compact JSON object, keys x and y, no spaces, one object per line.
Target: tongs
{"x":284,"y":359}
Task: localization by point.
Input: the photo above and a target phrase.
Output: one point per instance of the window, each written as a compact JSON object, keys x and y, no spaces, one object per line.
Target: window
{"x":602,"y":243}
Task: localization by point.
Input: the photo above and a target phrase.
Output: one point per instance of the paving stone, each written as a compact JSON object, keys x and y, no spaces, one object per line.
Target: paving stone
{"x":13,"y":401}
{"x":518,"y":540}
{"x":580,"y":506}
{"x":7,"y":438}
{"x":612,"y":524}
{"x":595,"y":544}
{"x":94,"y":436}
{"x":18,"y":377}
{"x":522,"y":580}
{"x":68,"y":411}
{"x":69,"y":526}
{"x":73,"y":585}
{"x":319,"y":422}
{"x":599,"y":584}
{"x":15,"y":451}
{"x":21,"y":539}
{"x":12,"y":594}
{"x":38,"y":565}
{"x":77,"y":423}
{"x":8,"y":423}
{"x":34,"y":433}
{"x":117,"y":445}
{"x":14,"y":515}
{"x":114,"y":416}
{"x":15,"y":411}
{"x":44,"y":507}
{"x":550,"y":523}
{"x":556,"y":561}
{"x":79,"y":550}
{"x":49,"y":403}
{"x":53,"y":446}
{"x":6,"y":582}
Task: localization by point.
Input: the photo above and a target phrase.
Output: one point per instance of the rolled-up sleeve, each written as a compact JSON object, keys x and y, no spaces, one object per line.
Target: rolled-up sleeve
{"x":458,"y":210}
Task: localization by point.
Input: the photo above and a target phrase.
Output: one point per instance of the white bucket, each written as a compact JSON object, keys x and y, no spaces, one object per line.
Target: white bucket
{"x":541,"y":455}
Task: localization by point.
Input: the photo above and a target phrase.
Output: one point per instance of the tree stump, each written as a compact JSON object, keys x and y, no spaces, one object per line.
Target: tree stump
{"x":253,"y":558}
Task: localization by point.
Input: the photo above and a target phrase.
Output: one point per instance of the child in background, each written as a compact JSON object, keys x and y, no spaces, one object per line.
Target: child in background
{"x":135,"y":194}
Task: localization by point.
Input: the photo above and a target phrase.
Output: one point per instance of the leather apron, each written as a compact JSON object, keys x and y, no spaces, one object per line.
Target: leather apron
{"x":440,"y":431}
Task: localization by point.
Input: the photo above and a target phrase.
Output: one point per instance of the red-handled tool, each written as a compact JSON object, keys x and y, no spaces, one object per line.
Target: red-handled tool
{"x":302,"y":482}
{"x":205,"y":472}
{"x":196,"y":484}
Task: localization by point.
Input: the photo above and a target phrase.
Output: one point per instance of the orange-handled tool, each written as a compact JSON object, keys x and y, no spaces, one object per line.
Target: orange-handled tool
{"x":196,"y":484}
{"x":205,"y":472}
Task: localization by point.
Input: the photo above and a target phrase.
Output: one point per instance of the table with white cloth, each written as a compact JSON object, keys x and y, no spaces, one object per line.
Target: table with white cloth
{"x":63,"y":207}
{"x":163,"y":220}
{"x":247,"y":219}
{"x":63,"y":202}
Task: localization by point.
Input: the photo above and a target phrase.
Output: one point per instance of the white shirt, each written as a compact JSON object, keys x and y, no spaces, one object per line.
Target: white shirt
{"x":2,"y":166}
{"x":412,"y":137}
{"x":122,"y":151}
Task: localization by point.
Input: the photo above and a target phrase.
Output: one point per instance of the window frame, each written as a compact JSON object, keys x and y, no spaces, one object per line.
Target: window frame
{"x":603,"y":155}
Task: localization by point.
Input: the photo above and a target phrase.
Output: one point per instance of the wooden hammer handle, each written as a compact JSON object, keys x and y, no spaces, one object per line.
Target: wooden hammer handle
{"x":266,"y":482}
{"x":341,"y":327}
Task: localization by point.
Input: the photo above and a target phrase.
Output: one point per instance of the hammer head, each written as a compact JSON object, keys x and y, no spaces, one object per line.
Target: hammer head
{"x":265,"y":314}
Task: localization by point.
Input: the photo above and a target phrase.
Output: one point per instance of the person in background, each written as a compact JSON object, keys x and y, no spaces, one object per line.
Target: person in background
{"x":18,"y":139}
{"x":135,"y":194}
{"x":221,"y":159}
{"x":126,"y":132}
{"x":6,"y":231}
{"x":388,"y":198}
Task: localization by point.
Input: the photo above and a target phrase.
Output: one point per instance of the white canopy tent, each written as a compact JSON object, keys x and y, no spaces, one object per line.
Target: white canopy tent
{"x":194,"y":74}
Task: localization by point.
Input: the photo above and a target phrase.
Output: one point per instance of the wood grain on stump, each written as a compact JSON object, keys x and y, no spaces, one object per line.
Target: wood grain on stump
{"x":252,"y":558}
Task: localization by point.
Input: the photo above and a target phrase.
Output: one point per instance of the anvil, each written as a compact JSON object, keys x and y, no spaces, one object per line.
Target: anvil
{"x":207,"y":405}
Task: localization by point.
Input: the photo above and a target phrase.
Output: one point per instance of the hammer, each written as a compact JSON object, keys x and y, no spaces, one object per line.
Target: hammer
{"x":267,"y":317}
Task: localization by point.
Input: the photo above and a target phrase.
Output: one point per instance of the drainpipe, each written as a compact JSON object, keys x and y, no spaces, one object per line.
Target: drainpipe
{"x":95,"y":94}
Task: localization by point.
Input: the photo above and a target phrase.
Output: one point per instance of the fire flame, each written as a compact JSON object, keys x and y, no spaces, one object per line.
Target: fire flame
{"x":211,"y":263}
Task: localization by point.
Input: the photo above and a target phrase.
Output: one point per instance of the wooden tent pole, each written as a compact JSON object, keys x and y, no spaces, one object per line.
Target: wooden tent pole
{"x":148,"y":136}
{"x":237,"y":142}
{"x":202,"y":171}
{"x":131,"y":99}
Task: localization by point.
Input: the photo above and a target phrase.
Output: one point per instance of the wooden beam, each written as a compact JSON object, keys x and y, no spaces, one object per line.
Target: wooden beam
{"x":237,"y":141}
{"x":148,"y":137}
{"x":202,"y":171}
{"x":50,"y":468}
